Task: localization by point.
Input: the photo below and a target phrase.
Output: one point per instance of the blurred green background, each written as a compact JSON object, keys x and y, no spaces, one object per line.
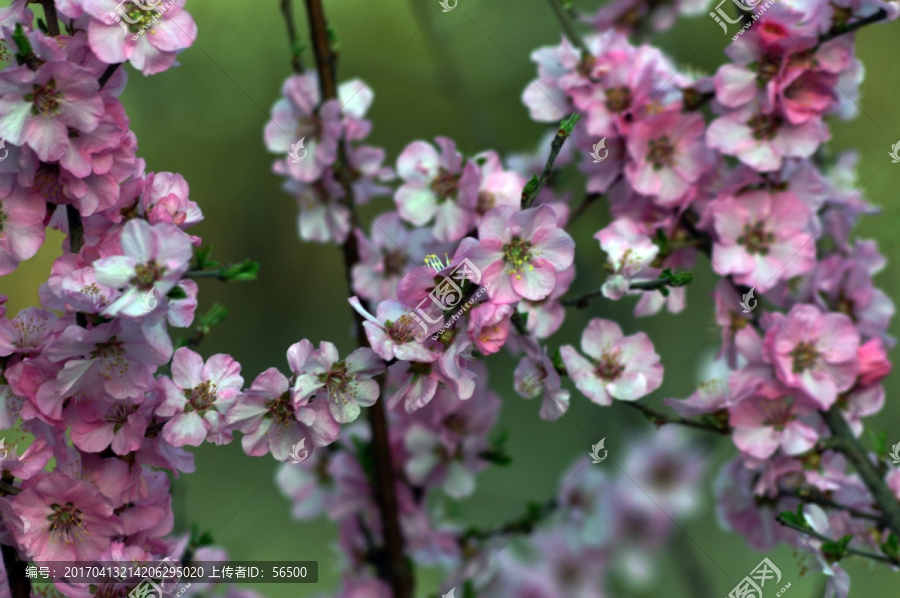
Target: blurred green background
{"x":458,"y":74}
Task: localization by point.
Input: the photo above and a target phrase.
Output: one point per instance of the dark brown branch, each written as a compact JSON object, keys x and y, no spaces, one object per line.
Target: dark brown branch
{"x":391,"y":563}
{"x":52,"y":18}
{"x":287,"y":9}
{"x":107,"y":74}
{"x":848,"y":445}
{"x":659,"y":419}
{"x":19,"y":584}
{"x":840,"y":30}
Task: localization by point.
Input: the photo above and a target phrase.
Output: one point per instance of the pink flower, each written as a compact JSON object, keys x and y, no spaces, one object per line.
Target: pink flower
{"x":394,"y":334}
{"x":383,"y":259}
{"x":271,"y":423}
{"x":298,"y":116}
{"x":441,"y":186}
{"x":155,"y":258}
{"x":27,"y":332}
{"x":536,"y":376}
{"x":762,"y":425}
{"x":814,"y":352}
{"x":347,"y":382}
{"x":323,"y":216}
{"x":39,"y":108}
{"x":668,"y":155}
{"x":761,"y":140}
{"x":629,"y":254}
{"x":762,"y":238}
{"x":21,"y":226}
{"x":874,"y":365}
{"x":167,"y":30}
{"x":489,"y":326}
{"x":620,"y":367}
{"x":61,"y":519}
{"x":96,"y":425}
{"x":520,"y":253}
{"x":198,"y":396}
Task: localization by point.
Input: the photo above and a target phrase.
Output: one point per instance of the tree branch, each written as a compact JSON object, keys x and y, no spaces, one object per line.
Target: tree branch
{"x":840,"y":30}
{"x":670,"y":279}
{"x":534,"y":186}
{"x":562,"y":15}
{"x":854,"y":551}
{"x":52,"y":17}
{"x":847,"y":444}
{"x":287,"y":9}
{"x":392,"y":565}
{"x":524,"y":524}
{"x":107,"y":74}
{"x":811,"y":494}
{"x":659,"y":419}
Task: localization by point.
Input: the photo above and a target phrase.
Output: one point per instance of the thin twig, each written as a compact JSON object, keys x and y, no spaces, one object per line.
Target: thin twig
{"x":660,"y":419}
{"x":107,"y":74}
{"x":287,"y":9}
{"x":848,"y":445}
{"x":19,"y":583}
{"x":533,"y":188}
{"x":813,"y":495}
{"x":838,"y":31}
{"x":850,"y":550}
{"x":565,"y":19}
{"x":641,"y":285}
{"x":524,"y":524}
{"x":52,"y":17}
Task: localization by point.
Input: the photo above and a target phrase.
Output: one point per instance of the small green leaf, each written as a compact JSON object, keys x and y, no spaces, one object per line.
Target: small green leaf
{"x":793,"y":518}
{"x":880,"y":442}
{"x":25,"y":53}
{"x":217,"y":312}
{"x":201,"y":259}
{"x":177,"y":293}
{"x":557,"y":361}
{"x":891,"y":548}
{"x":678,"y":279}
{"x":568,"y":124}
{"x":243,"y":271}
{"x":835,"y":551}
{"x":531,"y":187}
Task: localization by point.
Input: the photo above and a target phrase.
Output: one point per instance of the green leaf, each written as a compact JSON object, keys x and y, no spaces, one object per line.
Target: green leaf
{"x":531,"y":186}
{"x":678,"y":279}
{"x":835,"y":551}
{"x":880,"y":442}
{"x":469,"y":589}
{"x":557,"y":361}
{"x":793,"y":518}
{"x":176,"y":293}
{"x":245,"y":270}
{"x":568,"y":124}
{"x":201,"y":259}
{"x":891,"y":548}
{"x":217,"y":312}
{"x":25,"y":53}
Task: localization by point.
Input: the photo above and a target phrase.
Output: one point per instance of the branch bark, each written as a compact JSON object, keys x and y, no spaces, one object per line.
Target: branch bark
{"x":287,"y":9}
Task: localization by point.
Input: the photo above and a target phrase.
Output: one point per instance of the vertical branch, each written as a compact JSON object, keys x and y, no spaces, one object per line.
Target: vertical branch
{"x":52,"y":18}
{"x":565,"y":19}
{"x":846,"y":443}
{"x":391,"y":563}
{"x":287,"y":9}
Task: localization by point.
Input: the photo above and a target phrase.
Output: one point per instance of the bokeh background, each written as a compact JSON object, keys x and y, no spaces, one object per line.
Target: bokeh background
{"x":458,"y":74}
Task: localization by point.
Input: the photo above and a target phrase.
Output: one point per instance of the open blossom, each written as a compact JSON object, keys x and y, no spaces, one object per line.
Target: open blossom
{"x":762,"y":425}
{"x":536,"y":376}
{"x":520,"y":253}
{"x":61,"y":519}
{"x":443,"y":186}
{"x":668,"y":155}
{"x":198,"y":396}
{"x":762,"y":238}
{"x":155,"y":258}
{"x":114,"y":38}
{"x":814,"y":351}
{"x":383,"y":260}
{"x":618,"y":367}
{"x":272,"y":423}
{"x":21,"y":226}
{"x":394,"y":333}
{"x":629,"y":254}
{"x":347,"y":383}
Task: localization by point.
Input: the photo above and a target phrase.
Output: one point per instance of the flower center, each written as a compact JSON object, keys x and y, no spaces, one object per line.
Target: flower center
{"x":44,"y":99}
{"x":804,"y":356}
{"x":778,"y":412}
{"x":309,"y":126}
{"x":516,"y":253}
{"x":618,"y":99}
{"x":202,"y":397}
{"x":394,"y":261}
{"x":767,"y":68}
{"x":609,"y":366}
{"x":46,"y":179}
{"x":146,"y":274}
{"x":445,"y":185}
{"x":338,"y":383}
{"x":764,"y":126}
{"x":119,"y":413}
{"x":662,"y":152}
{"x":486,"y":201}
{"x":111,"y":350}
{"x":66,"y":522}
{"x":401,"y":331}
{"x":756,"y":238}
{"x":280,"y":410}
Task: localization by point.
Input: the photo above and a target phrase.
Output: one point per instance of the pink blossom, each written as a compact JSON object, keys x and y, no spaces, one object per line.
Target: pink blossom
{"x":668,"y":155}
{"x":61,"y":519}
{"x":520,"y":253}
{"x":168,"y":29}
{"x":154,"y":259}
{"x":762,"y":238}
{"x":27,"y":332}
{"x":347,"y":382}
{"x":21,"y":226}
{"x":535,"y":376}
{"x":97,"y":425}
{"x":394,"y":333}
{"x":273,"y":423}
{"x":763,"y":425}
{"x":489,"y":326}
{"x":383,"y":259}
{"x":198,"y":396}
{"x":323,"y":216}
{"x":618,"y":367}
{"x":299,"y":116}
{"x":442,"y":186}
{"x":629,"y":254}
{"x":813,"y":351}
